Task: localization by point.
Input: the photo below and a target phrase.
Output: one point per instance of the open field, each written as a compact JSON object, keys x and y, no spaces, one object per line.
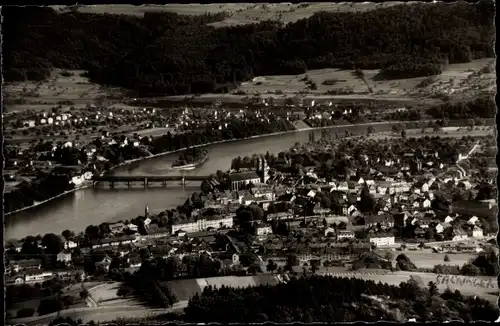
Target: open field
{"x":427,"y":259}
{"x":445,"y":132}
{"x":99,"y":314}
{"x":423,"y":279}
{"x":185,"y":289}
{"x":154,"y":132}
{"x":238,"y":13}
{"x":455,"y":77}
{"x":65,"y":87}
{"x":76,"y":91}
{"x":72,"y":290}
{"x":106,"y":295}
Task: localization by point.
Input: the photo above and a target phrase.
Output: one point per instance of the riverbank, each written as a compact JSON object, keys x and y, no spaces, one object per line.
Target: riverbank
{"x":83,"y":186}
{"x":129,"y":162}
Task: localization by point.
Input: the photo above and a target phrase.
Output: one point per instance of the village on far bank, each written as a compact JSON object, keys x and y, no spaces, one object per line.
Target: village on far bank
{"x":337,"y":203}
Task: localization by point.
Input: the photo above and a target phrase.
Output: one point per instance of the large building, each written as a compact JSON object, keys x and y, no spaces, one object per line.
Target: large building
{"x":203,"y":223}
{"x":241,"y":179}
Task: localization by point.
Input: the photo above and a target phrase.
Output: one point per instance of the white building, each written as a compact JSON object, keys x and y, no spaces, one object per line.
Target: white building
{"x":345,"y":234}
{"x":203,"y":224}
{"x":262,"y":230}
{"x":382,"y":240}
{"x":477,"y":232}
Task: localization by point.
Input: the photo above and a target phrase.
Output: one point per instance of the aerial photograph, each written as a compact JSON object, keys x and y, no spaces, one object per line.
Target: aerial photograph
{"x":250,"y":163}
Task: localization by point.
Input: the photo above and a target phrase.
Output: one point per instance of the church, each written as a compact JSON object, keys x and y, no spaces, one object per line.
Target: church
{"x":239,"y":180}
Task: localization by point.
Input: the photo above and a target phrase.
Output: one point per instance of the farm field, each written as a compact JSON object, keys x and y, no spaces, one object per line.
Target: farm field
{"x":185,"y":289}
{"x":76,"y":90}
{"x":454,"y":132}
{"x":64,"y":87}
{"x":72,"y":290}
{"x":106,"y":295}
{"x":454,"y":79}
{"x":423,"y":279}
{"x":427,"y":259}
{"x":238,"y":13}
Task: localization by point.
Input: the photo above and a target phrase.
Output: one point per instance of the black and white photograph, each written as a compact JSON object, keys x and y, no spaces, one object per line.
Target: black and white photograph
{"x":190,"y":163}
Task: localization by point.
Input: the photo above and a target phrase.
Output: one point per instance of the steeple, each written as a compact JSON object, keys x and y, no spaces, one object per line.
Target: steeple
{"x":146,"y":211}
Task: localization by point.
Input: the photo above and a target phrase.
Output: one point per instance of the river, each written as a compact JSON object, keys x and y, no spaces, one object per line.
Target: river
{"x":81,"y":208}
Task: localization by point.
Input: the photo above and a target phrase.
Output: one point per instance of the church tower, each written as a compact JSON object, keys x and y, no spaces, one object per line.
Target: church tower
{"x":264,"y":169}
{"x":146,"y":211}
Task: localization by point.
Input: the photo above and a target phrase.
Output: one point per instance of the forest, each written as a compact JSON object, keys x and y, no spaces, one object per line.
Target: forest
{"x":167,"y":53}
{"x":483,"y":107}
{"x":326,"y":299}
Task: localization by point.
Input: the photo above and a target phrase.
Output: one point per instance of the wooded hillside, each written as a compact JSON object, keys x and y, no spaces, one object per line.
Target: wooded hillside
{"x":166,"y":53}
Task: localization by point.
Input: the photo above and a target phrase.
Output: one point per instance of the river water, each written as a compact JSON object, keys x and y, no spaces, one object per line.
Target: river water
{"x":81,"y":208}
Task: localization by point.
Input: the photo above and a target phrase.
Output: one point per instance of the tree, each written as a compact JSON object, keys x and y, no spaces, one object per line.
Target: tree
{"x":50,"y":305}
{"x":84,"y":294}
{"x":367,"y":203}
{"x":315,"y":264}
{"x":470,"y":270}
{"x":429,"y":234}
{"x":446,"y":258}
{"x":25,"y":312}
{"x":291,"y":261}
{"x":271,"y":266}
{"x":433,"y":290}
{"x":67,"y":234}
{"x":370,"y":130}
{"x":388,"y":256}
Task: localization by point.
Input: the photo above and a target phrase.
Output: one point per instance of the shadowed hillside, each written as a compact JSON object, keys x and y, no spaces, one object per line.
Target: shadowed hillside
{"x":166,"y":53}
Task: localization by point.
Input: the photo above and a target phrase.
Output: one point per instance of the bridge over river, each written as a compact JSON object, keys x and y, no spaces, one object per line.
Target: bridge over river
{"x":146,"y":180}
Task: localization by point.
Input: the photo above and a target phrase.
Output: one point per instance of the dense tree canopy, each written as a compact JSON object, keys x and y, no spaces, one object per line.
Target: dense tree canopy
{"x":166,"y":53}
{"x":323,"y":299}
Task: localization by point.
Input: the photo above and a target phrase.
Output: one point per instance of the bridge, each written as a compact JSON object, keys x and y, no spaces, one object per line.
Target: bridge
{"x":146,"y":180}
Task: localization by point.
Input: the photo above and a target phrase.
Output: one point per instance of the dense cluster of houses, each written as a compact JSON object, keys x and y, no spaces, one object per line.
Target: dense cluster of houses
{"x":340,"y":233}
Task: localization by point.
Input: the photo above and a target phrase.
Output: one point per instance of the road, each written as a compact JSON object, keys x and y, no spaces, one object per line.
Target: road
{"x":99,"y":314}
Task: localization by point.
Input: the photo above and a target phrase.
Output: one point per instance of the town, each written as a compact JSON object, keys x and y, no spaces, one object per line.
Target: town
{"x":381,"y":206}
{"x":250,"y":163}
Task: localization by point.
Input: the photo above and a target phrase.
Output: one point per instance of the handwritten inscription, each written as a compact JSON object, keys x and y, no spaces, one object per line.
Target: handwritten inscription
{"x":466,"y":280}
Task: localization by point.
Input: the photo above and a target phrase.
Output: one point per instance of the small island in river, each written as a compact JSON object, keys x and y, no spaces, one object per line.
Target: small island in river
{"x":190,"y":159}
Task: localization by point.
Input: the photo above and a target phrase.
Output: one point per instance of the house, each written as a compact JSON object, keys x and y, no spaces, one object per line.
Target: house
{"x":473,"y":220}
{"x":64,"y":256}
{"x":343,"y":186}
{"x":351,"y":209}
{"x":26,"y":265}
{"x":37,"y":276}
{"x":104,"y":263}
{"x":116,"y":228}
{"x":449,"y":219}
{"x":400,"y":219}
{"x":263,"y":229}
{"x":458,"y":234}
{"x":241,"y":179}
{"x":17,"y":246}
{"x":439,"y":228}
{"x":419,"y":232}
{"x":345,"y":234}
{"x":134,"y":260}
{"x":114,"y":241}
{"x":329,"y":231}
{"x":382,"y":239}
{"x":70,"y":244}
{"x":477,"y":232}
{"x":132,"y":227}
{"x":385,"y":220}
{"x":426,"y":203}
